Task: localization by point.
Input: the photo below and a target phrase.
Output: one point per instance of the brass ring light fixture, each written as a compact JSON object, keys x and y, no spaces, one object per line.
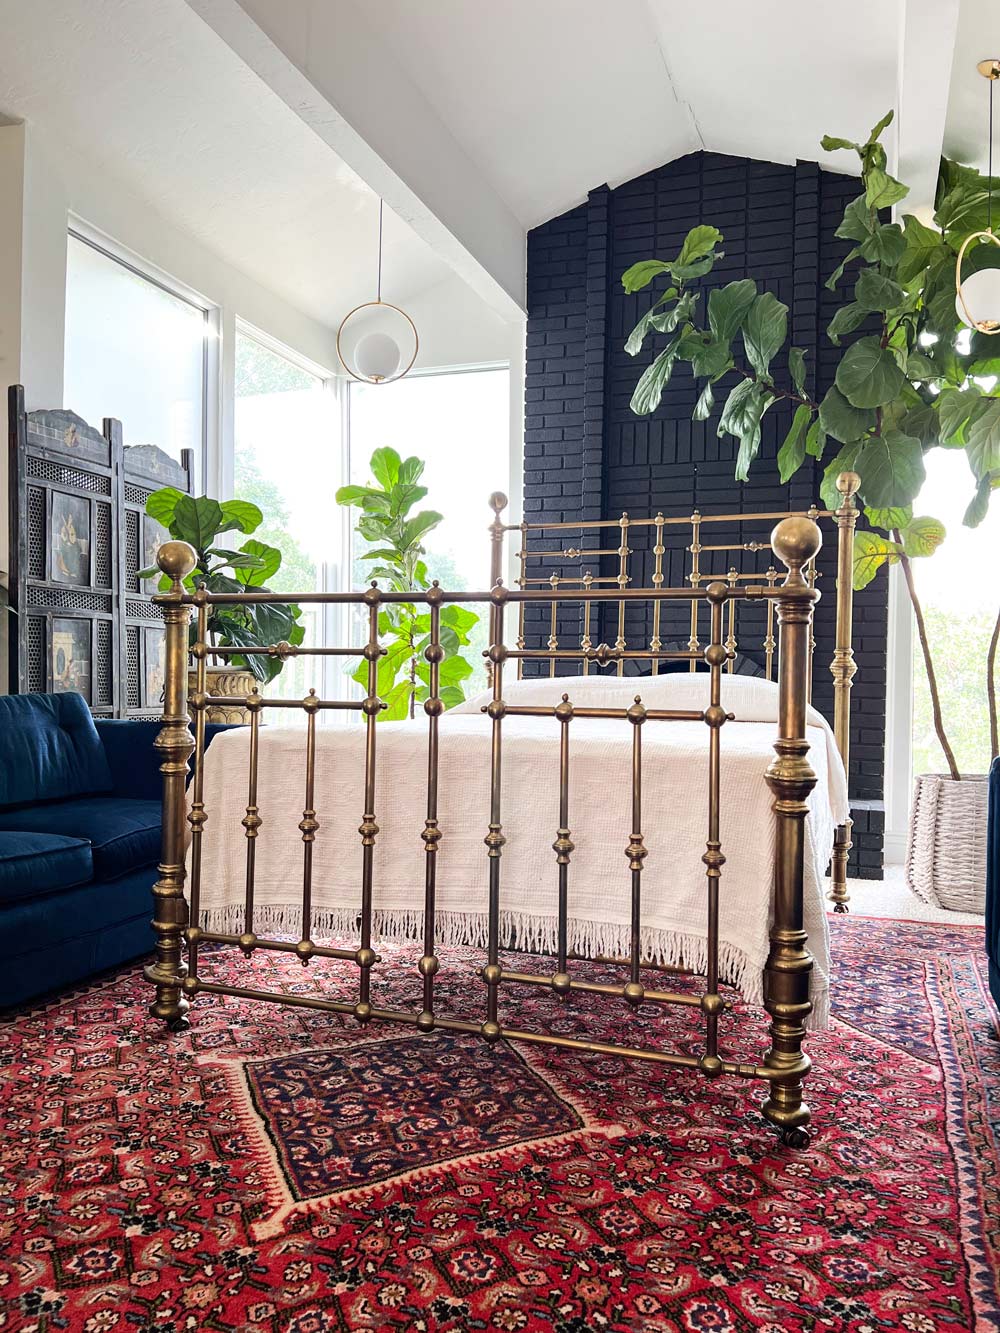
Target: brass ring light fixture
{"x":377,"y":355}
{"x":981,"y":290}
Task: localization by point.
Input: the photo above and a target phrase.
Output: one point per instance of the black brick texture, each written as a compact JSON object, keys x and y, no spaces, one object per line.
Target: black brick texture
{"x":587,"y":456}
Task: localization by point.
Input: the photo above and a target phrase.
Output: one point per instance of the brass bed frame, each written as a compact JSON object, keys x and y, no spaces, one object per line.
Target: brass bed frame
{"x":795,"y":541}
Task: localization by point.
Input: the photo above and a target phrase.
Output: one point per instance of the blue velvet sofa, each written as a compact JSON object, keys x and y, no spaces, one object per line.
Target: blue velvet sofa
{"x":993,"y":881}
{"x":79,"y":842}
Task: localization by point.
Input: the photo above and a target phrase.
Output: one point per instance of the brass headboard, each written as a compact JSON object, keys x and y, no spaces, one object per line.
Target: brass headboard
{"x":542,"y":559}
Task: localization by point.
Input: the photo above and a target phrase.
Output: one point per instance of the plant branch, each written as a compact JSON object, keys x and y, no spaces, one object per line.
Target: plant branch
{"x":925,"y":649}
{"x":991,"y":688}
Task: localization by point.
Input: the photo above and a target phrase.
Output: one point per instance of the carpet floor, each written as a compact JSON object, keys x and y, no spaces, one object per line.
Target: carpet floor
{"x":284,"y":1171}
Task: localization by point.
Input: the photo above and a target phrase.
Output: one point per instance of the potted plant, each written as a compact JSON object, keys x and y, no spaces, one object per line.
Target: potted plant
{"x":395,"y":558}
{"x":913,"y":379}
{"x":202,"y":521}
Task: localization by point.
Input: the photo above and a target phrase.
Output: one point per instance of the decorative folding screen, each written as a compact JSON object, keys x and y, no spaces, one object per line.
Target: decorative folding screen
{"x":78,"y":537}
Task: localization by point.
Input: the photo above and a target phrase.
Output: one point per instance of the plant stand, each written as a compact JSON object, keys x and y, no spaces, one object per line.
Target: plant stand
{"x":225,"y":680}
{"x":946,"y":846}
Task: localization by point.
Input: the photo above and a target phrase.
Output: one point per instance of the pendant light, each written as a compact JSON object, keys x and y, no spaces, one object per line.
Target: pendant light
{"x":377,"y":356}
{"x":977,"y":299}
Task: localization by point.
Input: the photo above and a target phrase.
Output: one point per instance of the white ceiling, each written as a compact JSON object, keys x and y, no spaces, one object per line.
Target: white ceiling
{"x":966,"y":137}
{"x":553,"y":98}
{"x":149,"y":93}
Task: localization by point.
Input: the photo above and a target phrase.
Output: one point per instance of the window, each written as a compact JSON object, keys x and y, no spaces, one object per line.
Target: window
{"x":957,"y":589}
{"x":459,"y":425}
{"x":288,"y":462}
{"x":135,"y":351}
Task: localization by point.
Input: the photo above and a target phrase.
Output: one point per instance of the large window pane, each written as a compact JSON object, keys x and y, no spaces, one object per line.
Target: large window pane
{"x":459,"y":425}
{"x":958,"y":589}
{"x":287,"y":461}
{"x":133,"y":351}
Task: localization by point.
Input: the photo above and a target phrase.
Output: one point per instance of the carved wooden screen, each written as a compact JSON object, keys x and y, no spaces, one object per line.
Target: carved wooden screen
{"x":77,"y":618}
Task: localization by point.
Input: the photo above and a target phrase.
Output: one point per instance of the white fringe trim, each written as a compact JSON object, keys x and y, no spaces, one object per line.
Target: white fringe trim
{"x":519,"y":930}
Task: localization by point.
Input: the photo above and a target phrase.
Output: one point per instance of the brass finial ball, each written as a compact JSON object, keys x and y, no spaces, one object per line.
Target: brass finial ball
{"x":795,"y":541}
{"x":176,"y":559}
{"x":848,"y":483}
{"x":498,"y":501}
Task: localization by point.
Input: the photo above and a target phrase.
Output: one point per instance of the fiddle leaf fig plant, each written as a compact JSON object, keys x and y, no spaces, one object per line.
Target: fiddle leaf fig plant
{"x":910,"y":376}
{"x":396,"y":562}
{"x":204,"y":523}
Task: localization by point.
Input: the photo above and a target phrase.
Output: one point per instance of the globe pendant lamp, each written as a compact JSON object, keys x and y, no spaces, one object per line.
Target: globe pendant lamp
{"x":977,"y":299}
{"x":377,"y":356}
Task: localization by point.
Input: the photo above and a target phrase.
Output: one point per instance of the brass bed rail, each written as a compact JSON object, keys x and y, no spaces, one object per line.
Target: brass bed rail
{"x":795,"y":542}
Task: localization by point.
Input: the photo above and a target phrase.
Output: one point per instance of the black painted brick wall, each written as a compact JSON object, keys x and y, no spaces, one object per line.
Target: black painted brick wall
{"x":587,"y":456}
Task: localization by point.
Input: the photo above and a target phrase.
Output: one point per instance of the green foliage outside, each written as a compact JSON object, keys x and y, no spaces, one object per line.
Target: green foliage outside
{"x":913,"y":385}
{"x":960,"y":644}
{"x":395,"y":560}
{"x":201,"y":521}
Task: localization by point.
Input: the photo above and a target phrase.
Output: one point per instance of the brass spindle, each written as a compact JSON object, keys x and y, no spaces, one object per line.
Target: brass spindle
{"x":712,"y":1003}
{"x":636,"y":853}
{"x":733,"y":579}
{"x":431,"y":835}
{"x":622,"y":580}
{"x":694,"y":578}
{"x":843,"y":669}
{"x":308,"y":825}
{"x":371,"y":705}
{"x":251,"y":821}
{"x":197,"y":816}
{"x":812,"y":574}
{"x":586,"y":643}
{"x":563,"y":846}
{"x":522,"y":584}
{"x":174,"y":743}
{"x":495,"y":839}
{"x":659,"y":549}
{"x":795,"y":541}
{"x":770,"y":643}
{"x":553,"y":643}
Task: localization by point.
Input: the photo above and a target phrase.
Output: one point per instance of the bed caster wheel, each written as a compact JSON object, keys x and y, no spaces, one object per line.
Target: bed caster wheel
{"x":795,"y":1137}
{"x":841,"y":909}
{"x":180,"y":1024}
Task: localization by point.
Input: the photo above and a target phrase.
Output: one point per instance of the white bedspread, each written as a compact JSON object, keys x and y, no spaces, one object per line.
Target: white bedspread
{"x":675,"y":812}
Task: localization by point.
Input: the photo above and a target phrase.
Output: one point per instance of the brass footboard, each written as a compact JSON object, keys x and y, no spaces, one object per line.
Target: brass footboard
{"x":795,"y":543}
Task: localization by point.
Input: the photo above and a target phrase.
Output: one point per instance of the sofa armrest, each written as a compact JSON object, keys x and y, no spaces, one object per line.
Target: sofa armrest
{"x":132,"y":756}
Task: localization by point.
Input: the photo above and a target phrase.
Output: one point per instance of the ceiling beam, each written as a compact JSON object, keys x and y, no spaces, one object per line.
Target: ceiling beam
{"x":928,"y":30}
{"x":329,"y":65}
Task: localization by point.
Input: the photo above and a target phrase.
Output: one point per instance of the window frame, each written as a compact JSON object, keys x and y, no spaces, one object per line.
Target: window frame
{"x":82,"y":231}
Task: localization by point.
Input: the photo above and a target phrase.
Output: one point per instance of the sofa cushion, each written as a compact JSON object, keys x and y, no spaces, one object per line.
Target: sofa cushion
{"x":49,"y":749}
{"x":124,"y":835}
{"x":35,"y":863}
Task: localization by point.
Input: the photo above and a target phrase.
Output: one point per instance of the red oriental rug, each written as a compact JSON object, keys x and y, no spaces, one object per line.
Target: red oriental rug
{"x":283,"y":1171}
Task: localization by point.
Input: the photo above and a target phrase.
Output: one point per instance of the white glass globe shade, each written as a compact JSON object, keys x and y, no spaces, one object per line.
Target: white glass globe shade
{"x":377,"y":356}
{"x":982,"y":295}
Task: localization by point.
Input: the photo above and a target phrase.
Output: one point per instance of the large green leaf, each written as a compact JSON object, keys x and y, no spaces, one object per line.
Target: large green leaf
{"x":792,"y":453}
{"x":162,"y":503}
{"x":885,"y":245}
{"x":815,"y":440}
{"x":240,"y":514}
{"x":871,"y":552}
{"x":842,"y":419}
{"x":980,"y":503}
{"x":403,"y":497}
{"x":460,"y":619}
{"x":891,"y":468}
{"x":765,"y":328}
{"x":955,"y":407}
{"x":648,"y":392}
{"x":842,"y":462}
{"x":270,"y":562}
{"x":830,"y":143}
{"x":838,"y":272}
{"x":922,"y":536}
{"x":196,"y":520}
{"x":699,"y":241}
{"x":410,"y":471}
{"x":419,"y":525}
{"x":637,"y":337}
{"x":703,"y":407}
{"x":857,"y":223}
{"x":878,"y":127}
{"x":741,"y":417}
{"x":237,"y":559}
{"x":727,"y":307}
{"x":846,"y":319}
{"x":874,"y":291}
{"x":982,"y":435}
{"x":920,"y":421}
{"x":923,"y":243}
{"x":385,"y":464}
{"x":883,"y":190}
{"x":868,"y":375}
{"x":797,"y":368}
{"x":709,"y":356}
{"x":889,"y":519}
{"x":642,"y":274}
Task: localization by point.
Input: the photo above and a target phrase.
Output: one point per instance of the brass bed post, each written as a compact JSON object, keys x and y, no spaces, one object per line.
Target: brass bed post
{"x":843,"y":668}
{"x":795,"y":541}
{"x":431,"y":835}
{"x":495,"y":840}
{"x":175,"y":743}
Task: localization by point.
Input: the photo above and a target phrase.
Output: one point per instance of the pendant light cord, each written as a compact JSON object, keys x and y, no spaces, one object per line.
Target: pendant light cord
{"x":379,"y":294}
{"x":989,"y":168}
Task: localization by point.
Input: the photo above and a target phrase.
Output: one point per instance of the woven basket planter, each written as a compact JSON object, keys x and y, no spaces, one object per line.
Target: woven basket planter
{"x":224,"y":680}
{"x":946,"y":847}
